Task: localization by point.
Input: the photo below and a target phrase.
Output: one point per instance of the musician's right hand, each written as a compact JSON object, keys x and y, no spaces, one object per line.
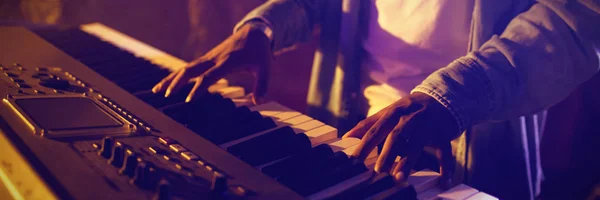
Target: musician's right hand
{"x":247,"y":49}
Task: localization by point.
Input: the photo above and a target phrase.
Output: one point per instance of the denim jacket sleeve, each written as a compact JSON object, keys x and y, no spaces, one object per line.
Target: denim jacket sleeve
{"x":543,"y":54}
{"x":291,"y":21}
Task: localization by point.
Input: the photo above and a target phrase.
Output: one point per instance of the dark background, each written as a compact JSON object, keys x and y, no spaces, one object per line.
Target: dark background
{"x":183,"y":28}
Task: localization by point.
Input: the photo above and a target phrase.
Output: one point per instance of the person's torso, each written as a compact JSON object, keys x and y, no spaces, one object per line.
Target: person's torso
{"x":407,"y":40}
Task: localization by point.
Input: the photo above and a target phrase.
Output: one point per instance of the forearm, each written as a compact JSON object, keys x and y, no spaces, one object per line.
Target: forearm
{"x":542,"y":55}
{"x":291,"y":21}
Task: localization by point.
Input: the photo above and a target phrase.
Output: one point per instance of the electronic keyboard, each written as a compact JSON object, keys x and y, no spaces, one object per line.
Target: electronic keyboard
{"x":80,"y":122}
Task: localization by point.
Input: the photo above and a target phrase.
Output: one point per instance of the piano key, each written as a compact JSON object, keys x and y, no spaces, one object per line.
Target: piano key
{"x":321,"y":134}
{"x":263,"y":141}
{"x":342,"y":144}
{"x":338,"y":174}
{"x":423,"y":180}
{"x":246,"y":128}
{"x":342,"y":186}
{"x":271,"y":146}
{"x":404,"y":193}
{"x":375,"y":184}
{"x":348,"y":145}
{"x":430,"y":194}
{"x":132,"y":45}
{"x":286,"y":115}
{"x":221,"y":83}
{"x":296,"y":120}
{"x":482,"y":196}
{"x":374,"y":153}
{"x":305,"y":182}
{"x":298,"y":161}
{"x":271,"y":106}
{"x":231,"y":92}
{"x":458,"y":192}
{"x":307,"y":126}
{"x":244,"y":101}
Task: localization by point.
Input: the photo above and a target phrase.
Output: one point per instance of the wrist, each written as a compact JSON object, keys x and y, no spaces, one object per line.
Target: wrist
{"x":259,"y":26}
{"x":439,"y":111}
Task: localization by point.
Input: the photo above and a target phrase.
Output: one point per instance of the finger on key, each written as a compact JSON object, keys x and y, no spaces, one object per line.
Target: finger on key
{"x":159,"y":87}
{"x":363,"y":126}
{"x":413,"y":150}
{"x":204,"y":81}
{"x":185,"y":74}
{"x":179,"y":81}
{"x":375,"y":135}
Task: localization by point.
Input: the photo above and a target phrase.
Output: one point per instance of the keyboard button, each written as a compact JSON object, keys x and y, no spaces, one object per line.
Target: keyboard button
{"x":166,"y":141}
{"x":189,"y":156}
{"x":177,"y":148}
{"x":158,"y":150}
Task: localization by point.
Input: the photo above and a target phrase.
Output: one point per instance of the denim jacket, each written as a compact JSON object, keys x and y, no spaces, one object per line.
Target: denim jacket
{"x":523,"y":56}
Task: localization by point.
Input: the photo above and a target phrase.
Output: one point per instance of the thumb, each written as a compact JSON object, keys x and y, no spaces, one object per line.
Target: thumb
{"x":447,"y":165}
{"x":261,"y":84}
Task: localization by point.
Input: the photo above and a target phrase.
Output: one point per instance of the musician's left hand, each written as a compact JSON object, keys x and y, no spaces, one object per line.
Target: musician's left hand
{"x":407,"y":126}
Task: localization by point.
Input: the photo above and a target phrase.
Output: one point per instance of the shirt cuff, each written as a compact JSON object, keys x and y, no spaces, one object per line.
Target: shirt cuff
{"x":438,"y":97}
{"x":259,"y":23}
{"x":463,"y":88}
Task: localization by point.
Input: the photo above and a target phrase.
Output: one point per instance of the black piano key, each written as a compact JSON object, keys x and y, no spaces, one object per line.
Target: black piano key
{"x":271,"y":146}
{"x":224,"y":124}
{"x":376,"y":185}
{"x":297,"y":162}
{"x":252,"y":124}
{"x":303,"y":181}
{"x":339,"y":174}
{"x":408,"y":193}
{"x":280,"y":134}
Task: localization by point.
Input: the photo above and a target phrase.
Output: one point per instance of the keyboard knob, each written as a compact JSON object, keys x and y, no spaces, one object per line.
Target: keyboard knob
{"x":145,"y":176}
{"x":118,"y":152}
{"x":162,"y":191}
{"x":219,"y":183}
{"x":106,"y":149}
{"x":129,"y":163}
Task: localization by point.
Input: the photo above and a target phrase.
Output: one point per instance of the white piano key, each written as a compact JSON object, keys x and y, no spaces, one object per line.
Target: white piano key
{"x":321,"y":134}
{"x":222,"y":83}
{"x":371,"y":162}
{"x":342,"y":186}
{"x":373,"y":154}
{"x":134,"y":46}
{"x":458,"y":192}
{"x":296,"y":120}
{"x":232,"y":92}
{"x":307,"y":126}
{"x":285,"y":115}
{"x":423,"y":180}
{"x":482,"y":196}
{"x":430,"y":194}
{"x":244,"y":101}
{"x":269,"y":113}
{"x":270,"y":106}
{"x":345,"y":143}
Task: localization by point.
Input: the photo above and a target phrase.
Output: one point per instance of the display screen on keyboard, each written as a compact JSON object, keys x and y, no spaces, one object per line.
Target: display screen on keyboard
{"x":58,"y":113}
